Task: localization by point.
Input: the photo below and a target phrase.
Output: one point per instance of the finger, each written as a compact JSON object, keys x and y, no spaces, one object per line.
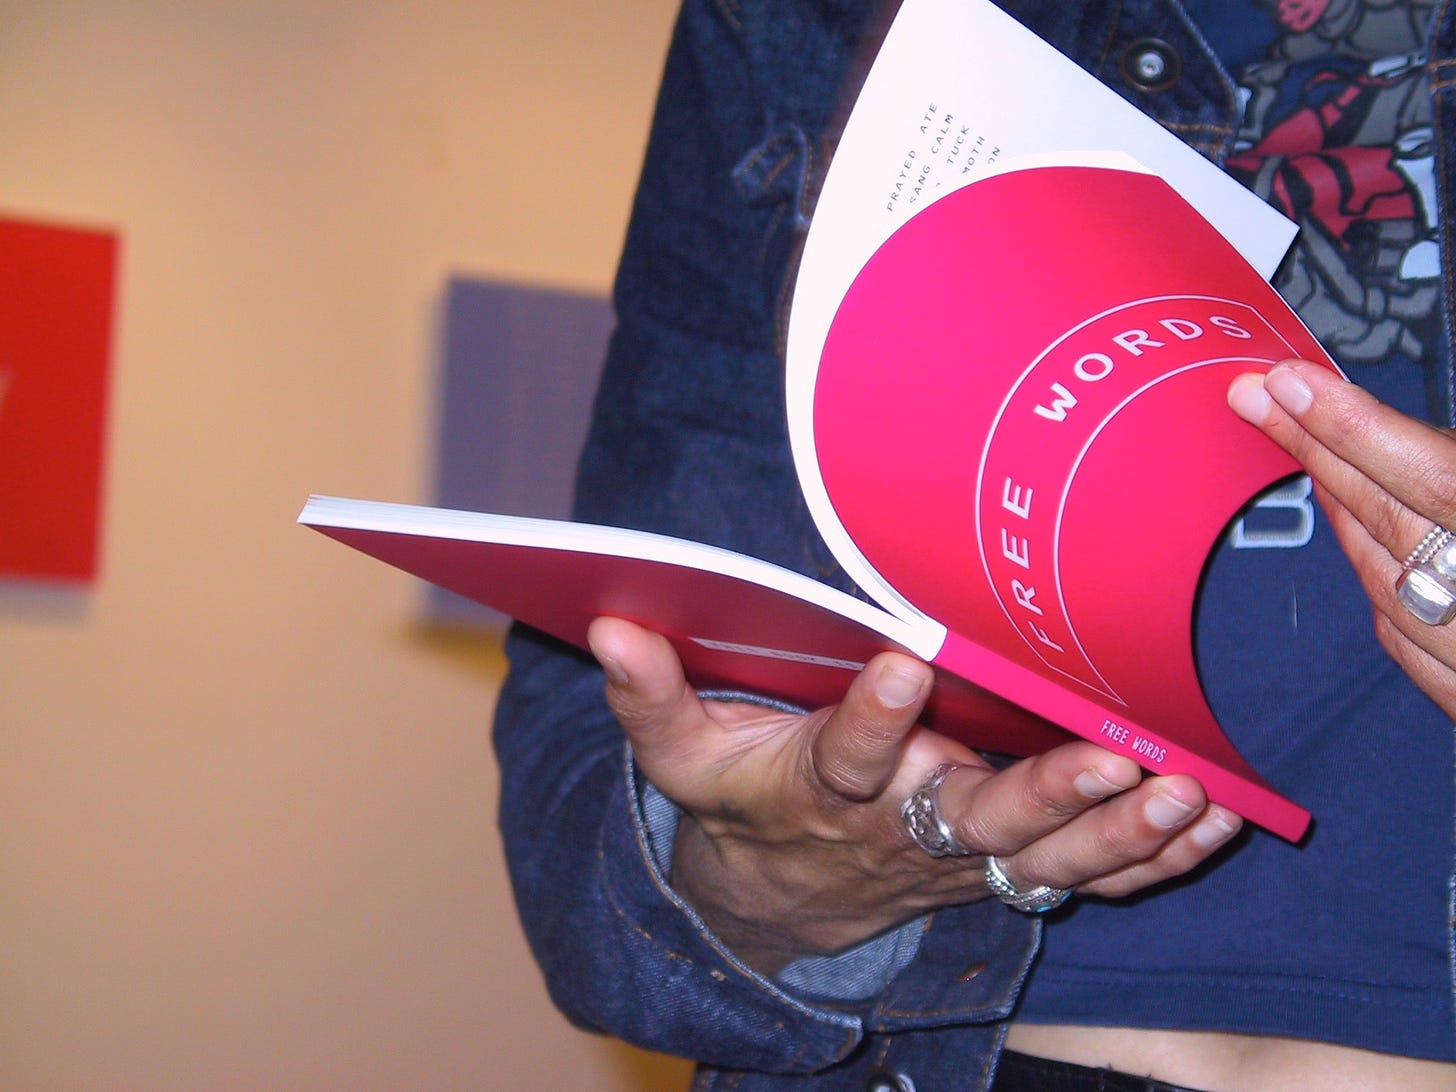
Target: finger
{"x":860,"y":745}
{"x":1425,"y":652}
{"x":648,"y":693}
{"x":1372,"y":559}
{"x":1376,"y":529}
{"x":1129,"y":829}
{"x":1428,"y":669}
{"x":1030,"y":799}
{"x":1408,"y":458}
{"x":1250,"y":397}
{"x":1186,"y":850}
{"x":1355,"y":445}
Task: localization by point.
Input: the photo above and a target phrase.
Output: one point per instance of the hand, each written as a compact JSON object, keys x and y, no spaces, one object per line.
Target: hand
{"x":791,"y":842}
{"x":1383,"y":479}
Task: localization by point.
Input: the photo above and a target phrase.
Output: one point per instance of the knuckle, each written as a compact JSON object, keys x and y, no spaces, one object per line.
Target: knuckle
{"x":1117,"y":886}
{"x":630,"y":711}
{"x":869,"y":735}
{"x":1124,"y":843}
{"x":1410,"y":658}
{"x":855,"y":753}
{"x":1428,"y":474}
{"x":1386,"y":520}
{"x":1172,"y":862}
{"x":1386,"y":632}
{"x":843,"y":778}
{"x":1351,"y":418}
{"x":983,"y":832}
{"x":1397,"y":645}
{"x":1009,"y":809}
{"x":841,"y":772}
{"x":1040,"y":798}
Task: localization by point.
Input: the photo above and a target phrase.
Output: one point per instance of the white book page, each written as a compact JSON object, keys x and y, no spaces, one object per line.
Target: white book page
{"x":958,"y":91}
{"x":917,"y":633}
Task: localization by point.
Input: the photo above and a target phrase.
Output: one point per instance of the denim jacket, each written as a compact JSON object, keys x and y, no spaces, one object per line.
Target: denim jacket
{"x":689,"y":439}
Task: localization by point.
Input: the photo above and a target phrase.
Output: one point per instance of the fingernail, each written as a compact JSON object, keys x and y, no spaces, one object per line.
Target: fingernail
{"x":1212,"y":831}
{"x":1289,"y":389}
{"x":1167,"y":811}
{"x":1248,"y":398}
{"x":616,"y":673}
{"x":1092,"y":785}
{"x":896,"y":689}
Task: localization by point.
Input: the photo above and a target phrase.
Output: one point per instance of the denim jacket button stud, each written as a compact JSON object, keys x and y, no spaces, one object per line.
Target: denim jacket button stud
{"x":1151,"y":64}
{"x":887,"y":1080}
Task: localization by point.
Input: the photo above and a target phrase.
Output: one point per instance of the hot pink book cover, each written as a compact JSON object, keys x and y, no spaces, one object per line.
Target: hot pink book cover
{"x":744,"y":625}
{"x":1020,"y":421}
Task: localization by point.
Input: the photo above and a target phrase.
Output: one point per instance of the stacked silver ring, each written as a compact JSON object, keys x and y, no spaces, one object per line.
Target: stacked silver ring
{"x":1427,"y":583}
{"x":923,"y":822}
{"x":1034,"y":900}
{"x":929,"y":830}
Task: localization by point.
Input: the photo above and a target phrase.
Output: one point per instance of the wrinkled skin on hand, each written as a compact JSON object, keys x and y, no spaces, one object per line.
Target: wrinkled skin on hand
{"x":1383,"y":478}
{"x":791,"y":842}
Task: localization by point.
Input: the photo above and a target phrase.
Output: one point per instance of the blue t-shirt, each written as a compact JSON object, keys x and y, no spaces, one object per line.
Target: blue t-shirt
{"x":1347,"y":936}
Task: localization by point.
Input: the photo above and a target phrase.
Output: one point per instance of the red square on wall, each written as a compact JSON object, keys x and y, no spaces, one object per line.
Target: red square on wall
{"x":57,"y":288}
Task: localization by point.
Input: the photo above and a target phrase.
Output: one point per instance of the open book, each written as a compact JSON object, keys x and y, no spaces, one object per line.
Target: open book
{"x":1006,"y":397}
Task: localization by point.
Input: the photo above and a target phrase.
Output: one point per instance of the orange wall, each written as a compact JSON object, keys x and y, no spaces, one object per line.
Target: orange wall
{"x":247,"y":833}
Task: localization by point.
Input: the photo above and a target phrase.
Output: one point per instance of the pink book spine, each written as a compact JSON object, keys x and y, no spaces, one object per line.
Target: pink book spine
{"x":1230,"y":782}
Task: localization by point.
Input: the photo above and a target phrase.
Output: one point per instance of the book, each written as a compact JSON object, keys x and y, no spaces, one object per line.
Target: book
{"x":1006,"y":407}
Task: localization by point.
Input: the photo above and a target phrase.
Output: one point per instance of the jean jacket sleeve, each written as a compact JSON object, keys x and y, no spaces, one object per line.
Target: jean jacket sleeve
{"x":688,"y":438}
{"x":623,"y":954}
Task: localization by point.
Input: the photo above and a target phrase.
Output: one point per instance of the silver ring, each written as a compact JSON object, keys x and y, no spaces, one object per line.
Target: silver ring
{"x":923,"y":822}
{"x":1035,"y":900}
{"x":1427,"y":583}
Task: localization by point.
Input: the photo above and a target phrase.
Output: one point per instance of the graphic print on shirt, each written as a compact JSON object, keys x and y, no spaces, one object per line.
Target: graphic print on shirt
{"x":1337,"y":134}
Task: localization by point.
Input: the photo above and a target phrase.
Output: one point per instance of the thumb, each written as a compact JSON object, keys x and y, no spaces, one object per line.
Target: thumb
{"x":649,"y":695}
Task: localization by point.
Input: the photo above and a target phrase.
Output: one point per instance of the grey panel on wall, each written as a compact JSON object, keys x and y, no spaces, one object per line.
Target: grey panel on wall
{"x":519,"y":370}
